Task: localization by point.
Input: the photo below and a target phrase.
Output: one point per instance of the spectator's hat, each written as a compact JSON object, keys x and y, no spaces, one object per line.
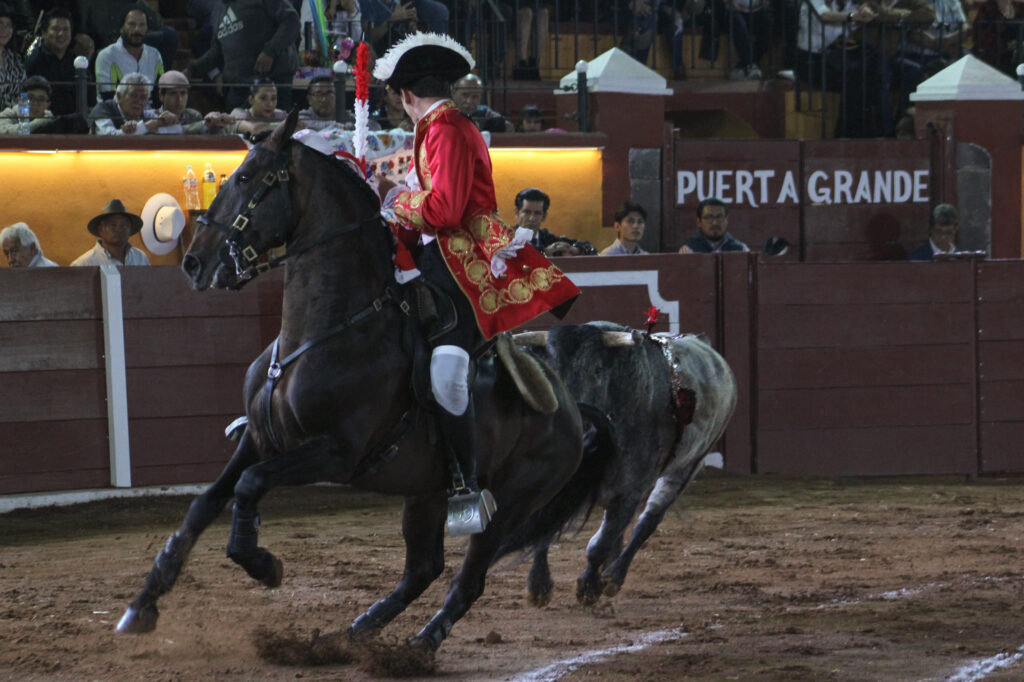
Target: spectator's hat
{"x":172,"y":79}
{"x":162,"y":223}
{"x":115,"y":207}
{"x":420,"y":55}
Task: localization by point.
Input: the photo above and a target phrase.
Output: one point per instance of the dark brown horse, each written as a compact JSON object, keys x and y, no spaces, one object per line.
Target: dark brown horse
{"x":331,"y":399}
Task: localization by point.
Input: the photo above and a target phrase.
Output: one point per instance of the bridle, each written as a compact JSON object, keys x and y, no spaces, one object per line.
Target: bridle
{"x":239,"y":249}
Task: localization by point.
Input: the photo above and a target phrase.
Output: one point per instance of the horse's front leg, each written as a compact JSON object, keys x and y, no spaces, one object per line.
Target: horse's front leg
{"x":141,"y":615}
{"x":313,"y":461}
{"x":423,"y":521}
{"x":603,"y":546}
{"x":539,"y":585}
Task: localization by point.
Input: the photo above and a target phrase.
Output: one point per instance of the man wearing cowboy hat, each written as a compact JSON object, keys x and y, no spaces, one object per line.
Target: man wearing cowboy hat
{"x":113,"y":226}
{"x":448,"y":229}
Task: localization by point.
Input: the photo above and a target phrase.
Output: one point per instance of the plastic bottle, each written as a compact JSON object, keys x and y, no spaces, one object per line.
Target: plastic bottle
{"x":209,"y":185}
{"x":220,"y":185}
{"x":23,"y":114}
{"x":191,"y":185}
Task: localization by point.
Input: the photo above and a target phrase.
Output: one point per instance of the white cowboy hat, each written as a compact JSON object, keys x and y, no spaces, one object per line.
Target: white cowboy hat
{"x":162,"y":223}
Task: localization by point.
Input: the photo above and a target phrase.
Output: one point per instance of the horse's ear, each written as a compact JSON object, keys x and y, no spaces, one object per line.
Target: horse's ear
{"x":284,"y":131}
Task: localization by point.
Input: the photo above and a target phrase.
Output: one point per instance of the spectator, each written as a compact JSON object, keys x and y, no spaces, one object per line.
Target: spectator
{"x":997,"y":34}
{"x":749,"y":23}
{"x":173,"y":93}
{"x":320,"y":114}
{"x":712,"y":230}
{"x":943,"y":225}
{"x":21,"y":247}
{"x":630,"y":222}
{"x":251,"y":38}
{"x":127,"y":114}
{"x":12,"y":69}
{"x":388,"y":21}
{"x":113,"y":227}
{"x":29,"y":12}
{"x":528,"y":68}
{"x":531,"y":211}
{"x":467,"y":93}
{"x":41,"y":119}
{"x":946,"y":35}
{"x":391,"y":113}
{"x":262,"y":112}
{"x":53,"y":60}
{"x":530,"y":119}
{"x":128,"y":55}
{"x":104,"y":21}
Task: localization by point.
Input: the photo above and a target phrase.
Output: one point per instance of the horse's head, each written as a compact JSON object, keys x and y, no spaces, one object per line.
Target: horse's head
{"x":252,"y":213}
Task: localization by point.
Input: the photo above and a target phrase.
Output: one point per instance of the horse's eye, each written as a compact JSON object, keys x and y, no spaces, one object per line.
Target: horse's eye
{"x":243,"y":178}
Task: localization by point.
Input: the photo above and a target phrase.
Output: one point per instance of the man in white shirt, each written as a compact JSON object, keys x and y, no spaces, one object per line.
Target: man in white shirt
{"x":113,"y":226}
{"x":21,"y":247}
{"x":128,"y":55}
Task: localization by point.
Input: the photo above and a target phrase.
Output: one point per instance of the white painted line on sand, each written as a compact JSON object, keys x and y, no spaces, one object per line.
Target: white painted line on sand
{"x":980,"y":669}
{"x":553,"y":671}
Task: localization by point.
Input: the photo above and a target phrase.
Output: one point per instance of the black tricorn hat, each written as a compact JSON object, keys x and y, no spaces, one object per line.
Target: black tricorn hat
{"x":115,"y":207}
{"x":420,"y":55}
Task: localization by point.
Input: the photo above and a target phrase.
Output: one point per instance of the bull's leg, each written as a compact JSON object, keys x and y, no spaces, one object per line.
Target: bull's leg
{"x":141,"y":615}
{"x":667,"y":490}
{"x":539,"y":585}
{"x":601,"y":548}
{"x":423,"y":521}
{"x":312,"y":461}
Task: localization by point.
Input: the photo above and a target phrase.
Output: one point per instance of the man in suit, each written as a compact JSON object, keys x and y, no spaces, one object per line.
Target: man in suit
{"x":943,"y":225}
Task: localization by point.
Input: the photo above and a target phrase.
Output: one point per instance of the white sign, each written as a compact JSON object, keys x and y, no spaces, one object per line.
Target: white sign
{"x":757,"y":188}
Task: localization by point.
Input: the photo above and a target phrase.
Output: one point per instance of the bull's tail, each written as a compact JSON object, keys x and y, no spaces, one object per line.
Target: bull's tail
{"x":573,"y":503}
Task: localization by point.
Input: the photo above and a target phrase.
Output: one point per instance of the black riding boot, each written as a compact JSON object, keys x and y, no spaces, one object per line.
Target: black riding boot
{"x":470,"y":508}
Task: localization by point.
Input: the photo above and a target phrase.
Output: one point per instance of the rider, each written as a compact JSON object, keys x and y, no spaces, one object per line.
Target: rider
{"x":446,"y":219}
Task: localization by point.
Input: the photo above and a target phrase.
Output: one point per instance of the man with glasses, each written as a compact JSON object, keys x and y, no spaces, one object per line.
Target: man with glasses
{"x":943,"y":225}
{"x":712,"y":230}
{"x":320,"y":113}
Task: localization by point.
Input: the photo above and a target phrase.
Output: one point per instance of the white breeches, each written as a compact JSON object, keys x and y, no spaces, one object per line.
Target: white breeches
{"x":449,"y":376}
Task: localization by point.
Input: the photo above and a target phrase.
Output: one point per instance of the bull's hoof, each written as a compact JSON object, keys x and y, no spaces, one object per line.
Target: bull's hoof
{"x":538,"y":599}
{"x":274,"y":577}
{"x":138,"y":622}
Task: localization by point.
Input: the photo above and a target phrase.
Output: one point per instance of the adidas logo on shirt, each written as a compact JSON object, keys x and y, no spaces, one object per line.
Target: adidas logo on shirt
{"x":229,"y":24}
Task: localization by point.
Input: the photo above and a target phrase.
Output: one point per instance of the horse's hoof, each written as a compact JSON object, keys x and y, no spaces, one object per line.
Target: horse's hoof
{"x":539,"y":599}
{"x":138,"y":622}
{"x":587,"y":594}
{"x":611,"y":589}
{"x":276,"y":575}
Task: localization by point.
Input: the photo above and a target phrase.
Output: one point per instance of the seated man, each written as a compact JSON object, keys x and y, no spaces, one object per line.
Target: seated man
{"x":173,"y":93}
{"x":320,"y":115}
{"x":127,"y":55}
{"x":467,"y":94}
{"x":630,"y":223}
{"x":531,"y":211}
{"x":127,"y":114}
{"x":22,"y":248}
{"x":113,"y":227}
{"x":41,"y":119}
{"x":711,"y":236}
{"x":943,"y":225}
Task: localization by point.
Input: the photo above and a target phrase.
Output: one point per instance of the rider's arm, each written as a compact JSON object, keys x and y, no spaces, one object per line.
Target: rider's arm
{"x":451,"y":163}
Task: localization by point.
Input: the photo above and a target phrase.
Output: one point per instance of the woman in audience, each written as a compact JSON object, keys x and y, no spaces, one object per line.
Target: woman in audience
{"x":262,"y":113}
{"x":12,"y":69}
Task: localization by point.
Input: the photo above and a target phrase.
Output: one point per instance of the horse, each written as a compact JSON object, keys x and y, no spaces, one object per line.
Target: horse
{"x":332,"y":398}
{"x":668,"y":400}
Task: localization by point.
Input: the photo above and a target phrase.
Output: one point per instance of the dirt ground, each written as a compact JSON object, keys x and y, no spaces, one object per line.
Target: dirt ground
{"x":748,"y":578}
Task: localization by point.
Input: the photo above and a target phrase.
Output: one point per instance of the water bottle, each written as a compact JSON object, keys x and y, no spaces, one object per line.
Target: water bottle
{"x":191,"y":189}
{"x":23,"y":114}
{"x":209,"y":185}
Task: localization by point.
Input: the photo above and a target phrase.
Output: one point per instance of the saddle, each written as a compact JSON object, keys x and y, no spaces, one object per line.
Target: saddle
{"x":434,"y":314}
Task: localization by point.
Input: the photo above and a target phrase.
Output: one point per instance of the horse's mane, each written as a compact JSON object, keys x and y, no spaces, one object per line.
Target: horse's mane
{"x":353,"y":177}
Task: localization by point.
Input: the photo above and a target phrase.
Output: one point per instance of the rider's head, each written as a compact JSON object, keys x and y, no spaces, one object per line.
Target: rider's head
{"x":423,"y":66}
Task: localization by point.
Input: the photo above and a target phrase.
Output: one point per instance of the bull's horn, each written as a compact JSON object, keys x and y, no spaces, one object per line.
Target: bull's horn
{"x":617,"y":339}
{"x":530,"y":338}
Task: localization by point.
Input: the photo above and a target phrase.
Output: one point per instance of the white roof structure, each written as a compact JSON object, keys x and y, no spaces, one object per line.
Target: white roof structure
{"x":968,"y":78}
{"x":616,"y":71}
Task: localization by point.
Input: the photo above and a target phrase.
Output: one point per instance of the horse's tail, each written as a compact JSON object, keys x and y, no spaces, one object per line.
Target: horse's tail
{"x":577,"y":498}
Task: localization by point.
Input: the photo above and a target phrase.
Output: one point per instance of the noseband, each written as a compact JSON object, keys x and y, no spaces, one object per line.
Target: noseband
{"x":238,"y":250}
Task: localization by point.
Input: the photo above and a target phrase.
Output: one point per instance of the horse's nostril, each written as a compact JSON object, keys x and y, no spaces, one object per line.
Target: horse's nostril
{"x":190,"y":264}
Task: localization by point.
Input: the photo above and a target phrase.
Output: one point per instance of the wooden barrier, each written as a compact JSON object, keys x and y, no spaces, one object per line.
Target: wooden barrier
{"x":842,"y":368}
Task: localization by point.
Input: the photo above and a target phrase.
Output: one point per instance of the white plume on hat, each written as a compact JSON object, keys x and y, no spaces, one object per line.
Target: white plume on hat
{"x":385,"y":66}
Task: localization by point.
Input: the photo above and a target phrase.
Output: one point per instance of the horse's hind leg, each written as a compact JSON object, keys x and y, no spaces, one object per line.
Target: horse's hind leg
{"x":602,"y":547}
{"x":141,"y":615}
{"x":310,"y":462}
{"x":423,"y":529}
{"x":539,"y":585}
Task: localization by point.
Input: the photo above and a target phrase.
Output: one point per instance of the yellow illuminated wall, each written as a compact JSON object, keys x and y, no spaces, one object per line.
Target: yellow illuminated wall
{"x":57,"y":193}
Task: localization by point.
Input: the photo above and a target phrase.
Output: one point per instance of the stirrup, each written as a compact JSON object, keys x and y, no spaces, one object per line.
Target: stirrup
{"x":234,"y":429}
{"x":469,"y":513}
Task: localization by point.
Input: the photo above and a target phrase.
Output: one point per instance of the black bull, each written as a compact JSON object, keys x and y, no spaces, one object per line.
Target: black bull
{"x":668,"y":399}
